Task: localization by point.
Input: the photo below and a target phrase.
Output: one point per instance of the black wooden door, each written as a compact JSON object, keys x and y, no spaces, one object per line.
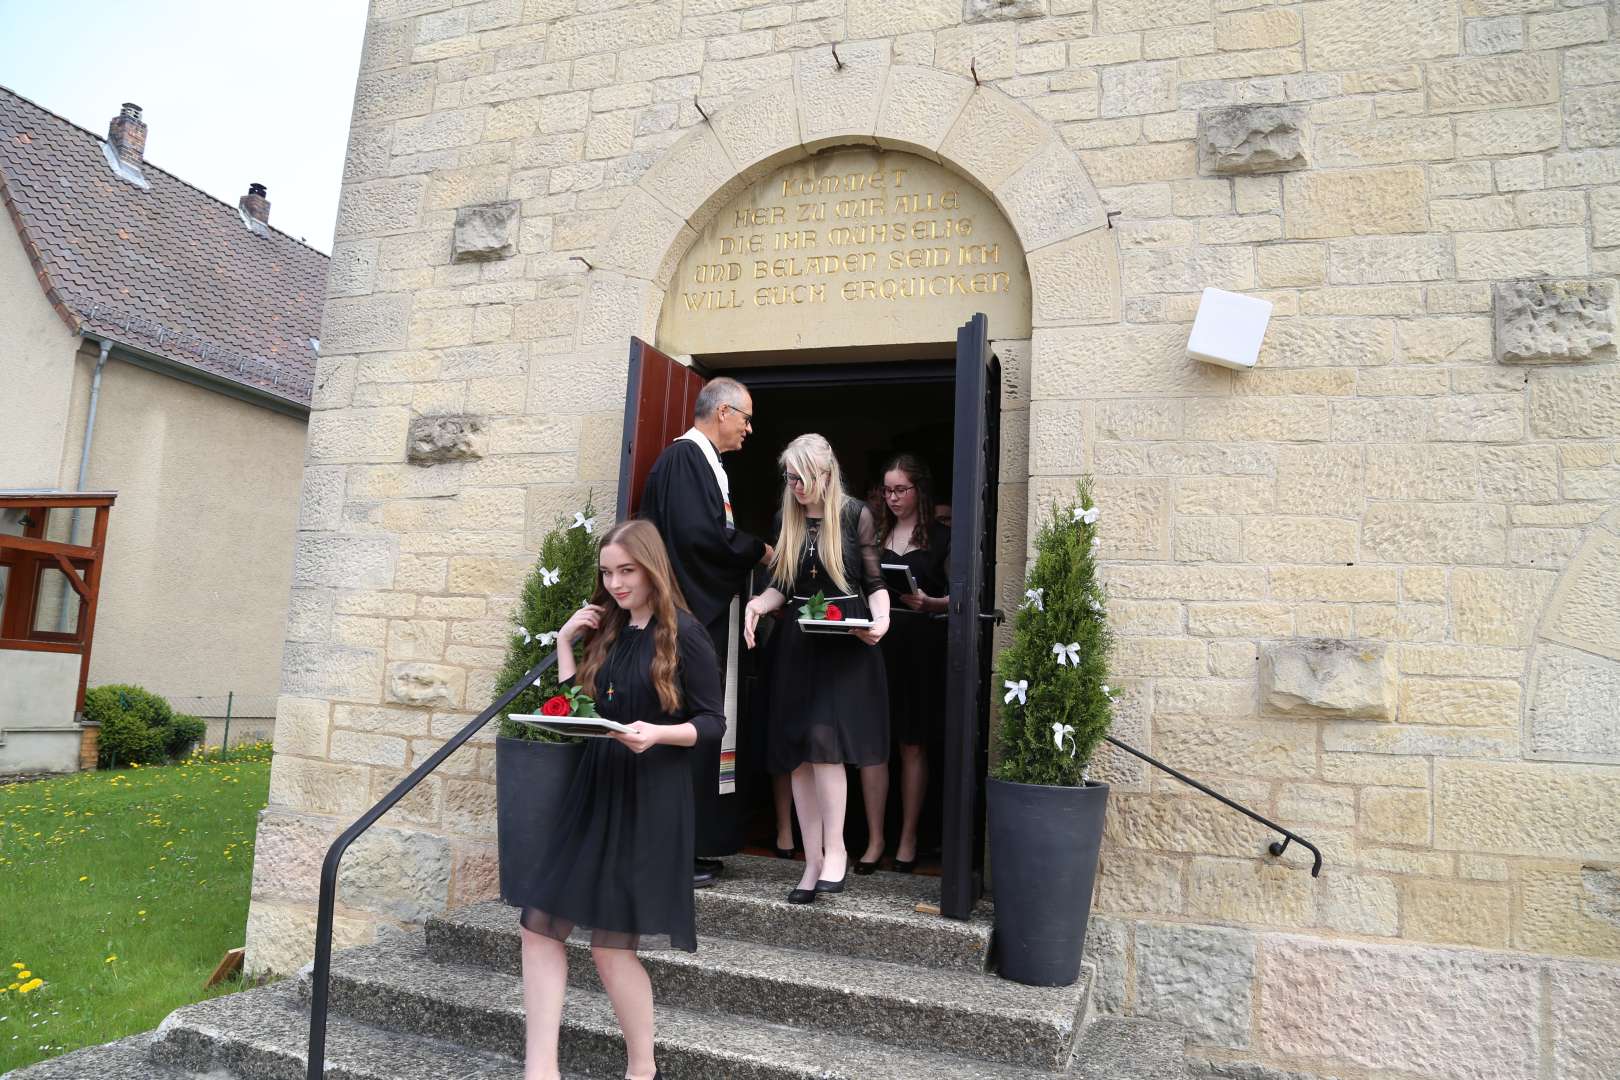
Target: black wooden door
{"x":973,"y":549}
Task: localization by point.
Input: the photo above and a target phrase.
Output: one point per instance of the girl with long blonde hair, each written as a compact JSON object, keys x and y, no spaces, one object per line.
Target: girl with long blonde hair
{"x":830,"y":692}
{"x":620,"y":856}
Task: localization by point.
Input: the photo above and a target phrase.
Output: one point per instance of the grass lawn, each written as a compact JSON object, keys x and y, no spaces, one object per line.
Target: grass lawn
{"x":119,"y":893}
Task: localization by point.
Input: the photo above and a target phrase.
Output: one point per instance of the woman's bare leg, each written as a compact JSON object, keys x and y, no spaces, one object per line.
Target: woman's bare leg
{"x":832,"y":793}
{"x":808,"y":808}
{"x":545,"y":981}
{"x":875,"y":795}
{"x":630,"y":991}
{"x":913,"y":786}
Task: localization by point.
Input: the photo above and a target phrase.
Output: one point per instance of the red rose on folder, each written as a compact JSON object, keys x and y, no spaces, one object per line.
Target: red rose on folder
{"x":557,"y":706}
{"x":834,"y":613}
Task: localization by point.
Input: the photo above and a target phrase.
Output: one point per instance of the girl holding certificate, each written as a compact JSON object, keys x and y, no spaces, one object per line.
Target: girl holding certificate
{"x":913,"y":653}
{"x":829,"y":692}
{"x":620,"y":859}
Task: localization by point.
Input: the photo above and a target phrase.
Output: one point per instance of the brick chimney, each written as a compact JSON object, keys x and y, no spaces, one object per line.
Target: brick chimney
{"x":254,"y":204}
{"x":127,"y":135}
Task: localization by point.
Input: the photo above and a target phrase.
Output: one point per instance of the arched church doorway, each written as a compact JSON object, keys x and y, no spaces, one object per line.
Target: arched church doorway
{"x":855,"y":292}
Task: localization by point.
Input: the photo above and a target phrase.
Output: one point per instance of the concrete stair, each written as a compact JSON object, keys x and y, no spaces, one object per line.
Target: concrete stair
{"x":858,"y":986}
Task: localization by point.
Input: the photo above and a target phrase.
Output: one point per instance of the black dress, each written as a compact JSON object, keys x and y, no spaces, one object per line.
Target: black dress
{"x":829,"y":694}
{"x":914,"y":647}
{"x":620,"y":857}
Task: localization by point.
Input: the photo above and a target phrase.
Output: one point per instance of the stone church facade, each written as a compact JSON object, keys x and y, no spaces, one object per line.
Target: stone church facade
{"x":1370,"y":587}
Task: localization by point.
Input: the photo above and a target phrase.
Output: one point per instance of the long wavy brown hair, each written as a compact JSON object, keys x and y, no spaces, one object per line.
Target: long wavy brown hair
{"x":640,"y":540}
{"x":923,"y":480}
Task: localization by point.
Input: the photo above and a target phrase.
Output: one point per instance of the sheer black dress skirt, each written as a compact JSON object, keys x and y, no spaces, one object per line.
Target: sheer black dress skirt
{"x":619,"y":859}
{"x":829,"y":692}
{"x":914,"y":647}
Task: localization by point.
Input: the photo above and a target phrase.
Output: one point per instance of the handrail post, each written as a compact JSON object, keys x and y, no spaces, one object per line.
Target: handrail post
{"x":321,"y":971}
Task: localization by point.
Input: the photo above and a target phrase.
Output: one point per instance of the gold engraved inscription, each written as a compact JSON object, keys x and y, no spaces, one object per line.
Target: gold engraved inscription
{"x":857,"y":236}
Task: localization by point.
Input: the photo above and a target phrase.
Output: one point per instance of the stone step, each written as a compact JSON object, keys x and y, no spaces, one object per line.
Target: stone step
{"x":126,"y":1059}
{"x":964,"y":1012}
{"x":263,"y":1034}
{"x":876,"y":918}
{"x":393,"y":986}
{"x":1126,"y":1048}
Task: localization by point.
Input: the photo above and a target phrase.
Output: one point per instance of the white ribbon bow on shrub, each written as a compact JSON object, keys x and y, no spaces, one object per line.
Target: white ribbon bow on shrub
{"x":1067,"y":654}
{"x":583,"y":522}
{"x":1017,"y":690}
{"x":1061,"y":731}
{"x":1032,"y":598}
{"x":550,"y":577}
{"x":547,"y":638}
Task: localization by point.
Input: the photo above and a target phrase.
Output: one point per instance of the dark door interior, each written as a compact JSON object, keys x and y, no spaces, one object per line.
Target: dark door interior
{"x":944,"y":411}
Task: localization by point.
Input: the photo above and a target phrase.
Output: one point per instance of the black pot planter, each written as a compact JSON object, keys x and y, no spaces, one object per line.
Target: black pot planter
{"x":1044,"y":843}
{"x":531,"y":779}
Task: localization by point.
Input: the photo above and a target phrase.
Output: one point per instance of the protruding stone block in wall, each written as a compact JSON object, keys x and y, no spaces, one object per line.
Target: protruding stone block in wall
{"x":1351,"y":680}
{"x":1240,"y":140}
{"x":485,"y":232}
{"x":1556,"y":321}
{"x":978,"y":11}
{"x":428,"y":685}
{"x":435,"y":440}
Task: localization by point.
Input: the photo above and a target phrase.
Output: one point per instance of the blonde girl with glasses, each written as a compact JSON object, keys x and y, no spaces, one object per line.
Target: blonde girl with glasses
{"x":829,"y":691}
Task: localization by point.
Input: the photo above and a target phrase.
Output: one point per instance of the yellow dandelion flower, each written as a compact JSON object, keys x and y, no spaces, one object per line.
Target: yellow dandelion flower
{"x":19,"y":967}
{"x":84,"y":877}
{"x":30,"y":986}
{"x":13,"y":986}
{"x":140,"y":913}
{"x":110,"y":959}
{"x":25,"y":974}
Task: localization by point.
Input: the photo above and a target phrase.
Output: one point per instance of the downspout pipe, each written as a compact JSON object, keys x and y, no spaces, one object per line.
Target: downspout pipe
{"x":84,"y":469}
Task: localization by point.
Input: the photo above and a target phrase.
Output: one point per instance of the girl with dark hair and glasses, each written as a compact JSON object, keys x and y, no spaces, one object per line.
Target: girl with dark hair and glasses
{"x":913,"y":654}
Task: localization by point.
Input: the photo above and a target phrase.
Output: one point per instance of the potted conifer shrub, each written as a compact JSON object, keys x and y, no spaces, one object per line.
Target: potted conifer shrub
{"x":1045,"y":816}
{"x":533,"y":766}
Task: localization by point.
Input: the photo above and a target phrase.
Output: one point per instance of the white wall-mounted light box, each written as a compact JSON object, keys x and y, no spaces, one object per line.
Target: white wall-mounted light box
{"x":1228,"y":329}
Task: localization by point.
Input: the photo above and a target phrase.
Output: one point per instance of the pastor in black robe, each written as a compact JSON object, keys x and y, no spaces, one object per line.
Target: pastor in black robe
{"x":711,"y":561}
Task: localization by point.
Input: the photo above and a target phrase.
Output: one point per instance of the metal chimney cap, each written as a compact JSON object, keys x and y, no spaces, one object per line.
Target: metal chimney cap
{"x":131,"y":110}
{"x":257,"y":189}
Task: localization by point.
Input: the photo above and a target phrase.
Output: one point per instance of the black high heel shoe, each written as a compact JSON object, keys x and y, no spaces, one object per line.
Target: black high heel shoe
{"x":802,"y":896}
{"x":784,"y":852}
{"x":832,"y":886}
{"x":904,"y":866}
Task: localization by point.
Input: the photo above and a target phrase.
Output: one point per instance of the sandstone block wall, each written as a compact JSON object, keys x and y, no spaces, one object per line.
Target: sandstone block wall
{"x":1370,"y":587}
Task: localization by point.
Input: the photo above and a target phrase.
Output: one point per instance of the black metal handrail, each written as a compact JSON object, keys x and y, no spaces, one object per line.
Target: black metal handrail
{"x":1276,"y":847}
{"x":321,"y":975}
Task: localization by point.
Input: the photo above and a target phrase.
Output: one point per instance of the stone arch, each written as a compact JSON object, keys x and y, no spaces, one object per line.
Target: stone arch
{"x":995,"y":141}
{"x":1574,"y":677}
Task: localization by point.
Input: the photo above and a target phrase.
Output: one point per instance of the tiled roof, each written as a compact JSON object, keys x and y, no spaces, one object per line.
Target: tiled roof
{"x":168,"y":270}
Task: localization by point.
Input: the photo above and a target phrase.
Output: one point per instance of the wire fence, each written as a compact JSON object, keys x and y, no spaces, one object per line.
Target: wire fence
{"x":232,"y":718}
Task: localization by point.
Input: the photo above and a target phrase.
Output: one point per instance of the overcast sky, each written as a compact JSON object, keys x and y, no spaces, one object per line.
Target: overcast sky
{"x":231,"y":93}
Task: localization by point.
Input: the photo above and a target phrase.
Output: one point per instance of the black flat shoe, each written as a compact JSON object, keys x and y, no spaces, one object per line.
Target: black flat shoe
{"x":802,"y":896}
{"x":864,"y":868}
{"x":832,"y":886}
{"x":702,"y":879}
{"x":784,"y":852}
{"x":904,"y":866}
{"x":713,"y":866}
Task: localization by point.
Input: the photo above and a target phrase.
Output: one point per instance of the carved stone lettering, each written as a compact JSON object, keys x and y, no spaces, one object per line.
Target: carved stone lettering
{"x":853,"y":247}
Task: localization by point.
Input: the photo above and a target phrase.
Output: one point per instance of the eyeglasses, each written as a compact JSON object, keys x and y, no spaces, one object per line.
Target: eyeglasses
{"x":792,"y":479}
{"x":748,"y":418}
{"x":896,"y":492}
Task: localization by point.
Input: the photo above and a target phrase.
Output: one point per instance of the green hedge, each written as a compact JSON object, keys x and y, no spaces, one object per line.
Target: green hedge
{"x":138,"y":727}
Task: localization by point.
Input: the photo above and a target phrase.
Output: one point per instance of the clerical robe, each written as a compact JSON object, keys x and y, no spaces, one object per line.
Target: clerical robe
{"x":711,"y":559}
